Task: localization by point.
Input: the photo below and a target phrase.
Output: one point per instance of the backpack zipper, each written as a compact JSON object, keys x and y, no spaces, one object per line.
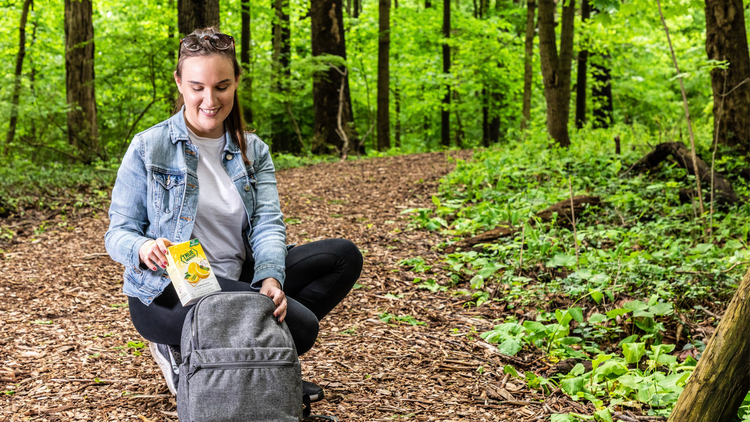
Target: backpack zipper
{"x":241,"y":365}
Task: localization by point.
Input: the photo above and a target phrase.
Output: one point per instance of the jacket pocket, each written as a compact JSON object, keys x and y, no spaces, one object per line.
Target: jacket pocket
{"x":168,"y":190}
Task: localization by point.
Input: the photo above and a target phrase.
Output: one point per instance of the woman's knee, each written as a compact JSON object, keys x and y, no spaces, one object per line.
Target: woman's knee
{"x":349,"y":253}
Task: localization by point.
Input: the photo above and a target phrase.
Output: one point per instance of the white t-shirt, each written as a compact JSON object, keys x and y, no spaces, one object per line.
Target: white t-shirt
{"x":221,"y":217}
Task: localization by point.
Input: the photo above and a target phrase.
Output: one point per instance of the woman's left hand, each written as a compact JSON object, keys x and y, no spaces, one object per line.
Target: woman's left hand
{"x":272,"y":288}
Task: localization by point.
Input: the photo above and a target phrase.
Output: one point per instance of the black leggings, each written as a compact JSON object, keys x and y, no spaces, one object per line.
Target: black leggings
{"x":318,"y":276}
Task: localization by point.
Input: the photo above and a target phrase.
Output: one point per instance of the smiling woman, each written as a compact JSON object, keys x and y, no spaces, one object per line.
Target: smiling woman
{"x":200,"y":175}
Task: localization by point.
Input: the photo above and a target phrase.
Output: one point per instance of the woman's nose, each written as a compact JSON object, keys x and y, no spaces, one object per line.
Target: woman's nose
{"x":210,"y":97}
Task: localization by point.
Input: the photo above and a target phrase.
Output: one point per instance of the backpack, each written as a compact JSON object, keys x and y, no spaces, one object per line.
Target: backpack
{"x":239,"y":363}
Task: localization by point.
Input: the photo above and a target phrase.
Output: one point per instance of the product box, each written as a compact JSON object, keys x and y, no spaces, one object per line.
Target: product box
{"x":190,"y":272}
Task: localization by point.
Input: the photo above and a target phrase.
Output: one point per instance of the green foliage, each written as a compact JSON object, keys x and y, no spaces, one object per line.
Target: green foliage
{"x":641,"y":241}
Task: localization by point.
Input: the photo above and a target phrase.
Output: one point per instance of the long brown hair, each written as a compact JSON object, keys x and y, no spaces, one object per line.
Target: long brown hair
{"x":235,"y":122}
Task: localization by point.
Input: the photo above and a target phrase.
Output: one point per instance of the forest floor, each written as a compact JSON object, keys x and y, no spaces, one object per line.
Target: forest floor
{"x":69,"y":351}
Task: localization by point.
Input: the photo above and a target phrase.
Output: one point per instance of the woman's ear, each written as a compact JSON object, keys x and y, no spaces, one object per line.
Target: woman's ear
{"x":178,"y":81}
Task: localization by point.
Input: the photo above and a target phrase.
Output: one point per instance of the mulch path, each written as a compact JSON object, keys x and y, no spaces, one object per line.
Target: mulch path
{"x":69,"y":352}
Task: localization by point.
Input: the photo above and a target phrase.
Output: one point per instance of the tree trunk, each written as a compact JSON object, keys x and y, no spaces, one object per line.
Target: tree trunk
{"x":17,"y":83}
{"x":556,"y":69}
{"x":328,"y":38}
{"x":497,"y":99}
{"x":726,"y":39}
{"x":83,"y":133}
{"x":283,"y":138}
{"x":246,"y":35}
{"x":384,"y":44}
{"x":197,"y":14}
{"x":357,"y":8}
{"x":32,"y":73}
{"x":602,"y":93}
{"x":485,"y":118}
{"x":528,"y":60}
{"x":427,"y":4}
{"x":720,"y":382}
{"x":583,"y":56}
{"x":445,"y":116}
{"x":397,"y":103}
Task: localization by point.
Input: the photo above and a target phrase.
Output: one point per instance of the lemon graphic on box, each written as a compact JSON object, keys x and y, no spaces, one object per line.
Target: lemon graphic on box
{"x":190,"y":271}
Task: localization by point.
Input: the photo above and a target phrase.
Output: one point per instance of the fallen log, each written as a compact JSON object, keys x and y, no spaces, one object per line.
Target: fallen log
{"x":723,"y":191}
{"x":486,"y":237}
{"x":562,"y":208}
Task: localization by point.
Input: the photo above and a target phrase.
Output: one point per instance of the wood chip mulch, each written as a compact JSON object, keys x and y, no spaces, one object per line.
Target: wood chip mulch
{"x":68,"y":350}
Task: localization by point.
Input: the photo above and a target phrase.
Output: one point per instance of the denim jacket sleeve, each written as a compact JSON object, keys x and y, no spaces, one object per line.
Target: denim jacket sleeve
{"x":268,"y":237}
{"x":128,"y":215}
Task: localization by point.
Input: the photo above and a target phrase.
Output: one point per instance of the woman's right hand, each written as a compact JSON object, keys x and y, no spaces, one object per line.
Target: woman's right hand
{"x":153,"y":253}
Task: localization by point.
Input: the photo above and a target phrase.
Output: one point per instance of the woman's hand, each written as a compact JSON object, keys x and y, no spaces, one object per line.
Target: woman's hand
{"x":272,"y":288}
{"x":153,"y":253}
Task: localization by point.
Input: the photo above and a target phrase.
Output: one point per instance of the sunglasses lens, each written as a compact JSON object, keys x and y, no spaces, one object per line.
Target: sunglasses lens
{"x":222,"y":41}
{"x":191,"y":43}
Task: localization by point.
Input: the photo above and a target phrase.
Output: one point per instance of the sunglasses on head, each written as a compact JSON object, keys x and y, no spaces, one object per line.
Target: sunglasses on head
{"x":218,"y":41}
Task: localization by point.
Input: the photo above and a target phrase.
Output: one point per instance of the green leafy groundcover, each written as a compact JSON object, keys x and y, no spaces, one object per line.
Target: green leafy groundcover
{"x":642,"y":244}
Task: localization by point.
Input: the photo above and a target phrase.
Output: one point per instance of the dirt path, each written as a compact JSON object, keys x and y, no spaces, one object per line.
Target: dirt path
{"x":68,"y":350}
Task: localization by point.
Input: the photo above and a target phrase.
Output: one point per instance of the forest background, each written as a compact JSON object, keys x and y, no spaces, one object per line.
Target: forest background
{"x":327,"y":79}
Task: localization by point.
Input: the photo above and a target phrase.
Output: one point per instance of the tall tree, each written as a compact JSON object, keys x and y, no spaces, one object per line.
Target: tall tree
{"x":17,"y":82}
{"x":196,"y":14}
{"x":445,"y":116}
{"x":726,"y":39}
{"x":384,"y":78}
{"x":328,"y":38}
{"x":528,"y":61}
{"x":602,"y":92}
{"x":284,"y":138}
{"x":83,"y":133}
{"x":357,"y":7}
{"x":583,"y":56}
{"x":556,"y":68}
{"x":245,"y":41}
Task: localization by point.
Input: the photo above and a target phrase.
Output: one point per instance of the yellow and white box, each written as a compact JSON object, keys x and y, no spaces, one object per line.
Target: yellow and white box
{"x":190,"y":272}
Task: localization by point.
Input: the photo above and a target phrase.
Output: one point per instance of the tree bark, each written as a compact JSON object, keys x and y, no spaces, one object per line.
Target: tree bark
{"x":485,"y":118}
{"x":17,"y":82}
{"x":445,"y":116}
{"x":384,"y":44}
{"x":197,"y":14}
{"x":246,"y":39}
{"x":602,"y":93}
{"x":328,"y":38}
{"x":497,"y":99}
{"x":720,"y":382}
{"x":726,"y":39}
{"x":283,"y":138}
{"x":556,"y":68}
{"x":528,"y":61}
{"x":581,"y":77}
{"x":357,"y":8}
{"x":83,"y":133}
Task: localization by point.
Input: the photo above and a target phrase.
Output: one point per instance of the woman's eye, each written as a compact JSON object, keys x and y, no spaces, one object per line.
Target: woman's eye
{"x":197,"y":89}
{"x":221,"y":88}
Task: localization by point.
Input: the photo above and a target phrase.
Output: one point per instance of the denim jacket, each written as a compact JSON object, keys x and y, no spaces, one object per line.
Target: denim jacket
{"x":156,"y":195}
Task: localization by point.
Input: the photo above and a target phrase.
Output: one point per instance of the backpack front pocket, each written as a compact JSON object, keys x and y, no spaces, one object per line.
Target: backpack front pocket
{"x":218,"y":376}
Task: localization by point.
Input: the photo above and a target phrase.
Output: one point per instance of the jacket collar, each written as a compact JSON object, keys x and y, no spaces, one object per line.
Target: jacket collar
{"x":179,"y":132}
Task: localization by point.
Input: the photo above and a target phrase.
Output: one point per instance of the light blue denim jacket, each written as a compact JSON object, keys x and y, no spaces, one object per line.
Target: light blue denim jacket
{"x":156,"y":195}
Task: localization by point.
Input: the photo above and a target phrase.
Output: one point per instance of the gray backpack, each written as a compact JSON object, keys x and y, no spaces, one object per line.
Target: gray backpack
{"x":239,"y":363}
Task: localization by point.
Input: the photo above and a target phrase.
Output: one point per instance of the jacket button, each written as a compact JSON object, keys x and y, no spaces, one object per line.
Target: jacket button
{"x":247,"y":188}
{"x":229,"y":156}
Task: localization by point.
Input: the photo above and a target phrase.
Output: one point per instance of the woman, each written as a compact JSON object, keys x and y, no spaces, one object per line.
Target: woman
{"x":200,"y":175}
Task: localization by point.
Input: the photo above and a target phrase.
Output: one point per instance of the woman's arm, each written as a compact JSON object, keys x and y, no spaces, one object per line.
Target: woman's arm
{"x":268,"y":238}
{"x":128,"y":215}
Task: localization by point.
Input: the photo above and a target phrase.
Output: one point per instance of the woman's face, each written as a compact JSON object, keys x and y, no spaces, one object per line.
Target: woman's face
{"x":207,"y":86}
